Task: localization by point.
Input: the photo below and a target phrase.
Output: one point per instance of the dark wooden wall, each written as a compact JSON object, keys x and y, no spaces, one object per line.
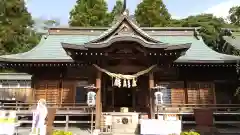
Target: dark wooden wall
{"x":192,"y":85}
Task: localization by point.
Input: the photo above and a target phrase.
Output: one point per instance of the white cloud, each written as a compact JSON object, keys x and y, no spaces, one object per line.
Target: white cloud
{"x":176,"y":17}
{"x":221,"y":9}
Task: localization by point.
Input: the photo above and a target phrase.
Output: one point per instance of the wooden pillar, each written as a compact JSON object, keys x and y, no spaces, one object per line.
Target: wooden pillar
{"x":134,"y":99}
{"x":214,"y":94}
{"x":98,"y":100}
{"x":113,"y":99}
{"x":33,"y":86}
{"x":185,"y":92}
{"x":151,"y":103}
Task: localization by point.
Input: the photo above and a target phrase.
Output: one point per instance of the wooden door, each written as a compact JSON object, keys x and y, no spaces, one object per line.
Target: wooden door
{"x":48,"y":90}
{"x":40,"y":90}
{"x":68,"y":92}
{"x":81,"y":95}
{"x":206,"y":93}
{"x":177,"y":93}
{"x":193,"y":93}
{"x":53,"y":92}
{"x":200,"y":93}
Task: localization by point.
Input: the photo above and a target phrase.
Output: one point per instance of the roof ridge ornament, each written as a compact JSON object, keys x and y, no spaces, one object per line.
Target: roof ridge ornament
{"x":125,"y":13}
{"x":124,"y":6}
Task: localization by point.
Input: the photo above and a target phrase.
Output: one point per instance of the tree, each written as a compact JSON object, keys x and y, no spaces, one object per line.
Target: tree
{"x":210,"y":29}
{"x":234,"y":15}
{"x":117,"y":9}
{"x":41,"y":25}
{"x":16,"y":34}
{"x":51,"y":23}
{"x":90,"y":13}
{"x":150,"y":13}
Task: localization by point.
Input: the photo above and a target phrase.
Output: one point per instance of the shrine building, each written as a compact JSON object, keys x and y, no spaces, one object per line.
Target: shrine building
{"x":125,"y":62}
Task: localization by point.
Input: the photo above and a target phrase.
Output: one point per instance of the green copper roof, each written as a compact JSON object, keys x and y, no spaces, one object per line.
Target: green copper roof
{"x":199,"y":51}
{"x":50,"y":50}
{"x":234,"y":40}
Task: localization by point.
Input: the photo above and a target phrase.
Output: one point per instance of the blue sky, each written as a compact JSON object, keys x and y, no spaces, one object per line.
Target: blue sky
{"x":178,"y":8}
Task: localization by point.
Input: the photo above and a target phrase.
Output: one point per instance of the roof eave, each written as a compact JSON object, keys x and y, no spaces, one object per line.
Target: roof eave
{"x":206,"y":61}
{"x":141,"y":42}
{"x":10,"y":60}
{"x":106,"y":28}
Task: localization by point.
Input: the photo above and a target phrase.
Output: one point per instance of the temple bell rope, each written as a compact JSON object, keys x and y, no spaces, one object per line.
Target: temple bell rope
{"x":126,"y":78}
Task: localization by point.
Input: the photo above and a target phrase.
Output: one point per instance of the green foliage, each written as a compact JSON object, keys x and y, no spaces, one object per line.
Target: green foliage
{"x":62,"y":133}
{"x":189,"y":133}
{"x":7,"y":70}
{"x":151,"y":13}
{"x":117,"y":10}
{"x":90,"y":13}
{"x":210,"y":29}
{"x":41,"y":25}
{"x":51,"y":23}
{"x":234,"y":15}
{"x":16,"y":34}
{"x":237,"y":53}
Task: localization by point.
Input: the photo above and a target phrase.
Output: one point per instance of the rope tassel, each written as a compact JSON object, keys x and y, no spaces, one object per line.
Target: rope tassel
{"x":124,"y":83}
{"x":134,"y":83}
{"x":129,"y":84}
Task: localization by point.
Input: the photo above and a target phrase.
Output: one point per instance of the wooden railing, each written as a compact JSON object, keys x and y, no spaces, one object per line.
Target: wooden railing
{"x":63,"y":108}
{"x":74,"y":109}
{"x":162,"y":108}
{"x":190,"y":107}
{"x":187,"y":109}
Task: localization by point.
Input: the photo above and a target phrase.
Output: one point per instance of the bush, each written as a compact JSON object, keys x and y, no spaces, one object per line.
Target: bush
{"x":190,"y":133}
{"x":61,"y":133}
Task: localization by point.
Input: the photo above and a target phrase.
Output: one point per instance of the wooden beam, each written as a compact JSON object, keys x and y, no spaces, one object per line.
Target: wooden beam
{"x":151,"y":103}
{"x":98,"y":100}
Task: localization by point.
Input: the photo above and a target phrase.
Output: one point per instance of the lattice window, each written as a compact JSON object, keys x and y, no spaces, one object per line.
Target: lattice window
{"x":9,"y":84}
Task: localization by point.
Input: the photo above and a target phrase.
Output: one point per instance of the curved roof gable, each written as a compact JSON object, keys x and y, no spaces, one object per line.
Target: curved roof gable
{"x":124,"y":26}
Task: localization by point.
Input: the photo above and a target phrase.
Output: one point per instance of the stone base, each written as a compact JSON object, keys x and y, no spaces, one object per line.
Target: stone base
{"x":124,"y":123}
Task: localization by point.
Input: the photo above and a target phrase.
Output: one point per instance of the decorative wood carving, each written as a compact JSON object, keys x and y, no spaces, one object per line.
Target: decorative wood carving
{"x":124,"y":29}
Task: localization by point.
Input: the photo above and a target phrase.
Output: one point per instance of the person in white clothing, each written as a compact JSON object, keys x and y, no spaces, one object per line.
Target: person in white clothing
{"x":39,"y":116}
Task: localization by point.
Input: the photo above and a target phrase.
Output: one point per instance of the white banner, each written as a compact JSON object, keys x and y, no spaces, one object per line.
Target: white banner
{"x":160,"y":127}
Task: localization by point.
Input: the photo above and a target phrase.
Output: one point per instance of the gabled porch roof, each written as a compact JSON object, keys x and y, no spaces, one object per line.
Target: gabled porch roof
{"x":124,"y":30}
